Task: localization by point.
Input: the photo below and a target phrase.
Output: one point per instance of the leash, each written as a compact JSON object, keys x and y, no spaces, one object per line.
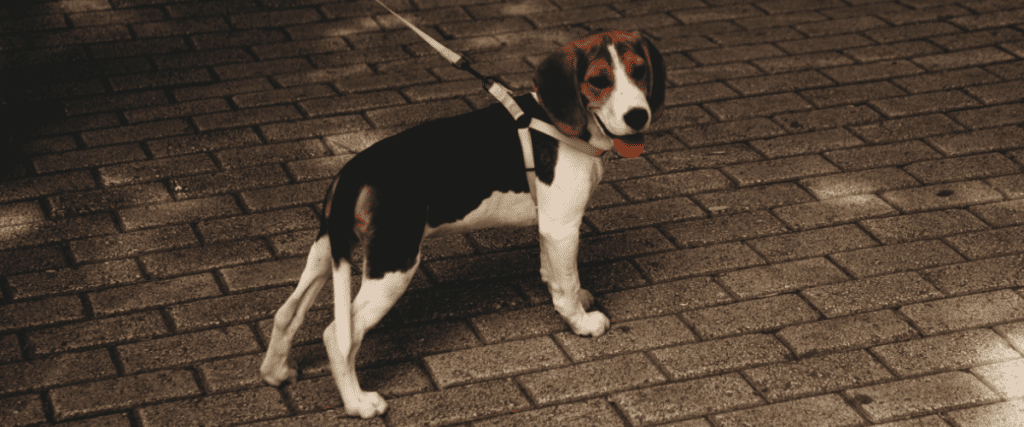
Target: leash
{"x":504,"y":96}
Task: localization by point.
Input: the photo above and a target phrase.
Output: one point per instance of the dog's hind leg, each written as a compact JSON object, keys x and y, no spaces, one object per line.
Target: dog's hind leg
{"x":277,"y":367}
{"x":345,"y":335}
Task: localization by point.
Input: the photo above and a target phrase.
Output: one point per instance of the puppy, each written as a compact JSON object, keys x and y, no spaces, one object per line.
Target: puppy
{"x":464,"y":173}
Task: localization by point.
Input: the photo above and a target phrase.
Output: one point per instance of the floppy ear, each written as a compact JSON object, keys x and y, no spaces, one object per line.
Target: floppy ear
{"x":656,"y":77}
{"x":557,"y":82}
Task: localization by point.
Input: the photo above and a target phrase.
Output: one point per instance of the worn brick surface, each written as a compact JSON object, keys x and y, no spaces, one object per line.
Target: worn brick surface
{"x":825,"y":227}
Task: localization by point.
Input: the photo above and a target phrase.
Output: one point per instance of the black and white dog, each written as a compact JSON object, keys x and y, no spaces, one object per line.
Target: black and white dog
{"x":464,"y":173}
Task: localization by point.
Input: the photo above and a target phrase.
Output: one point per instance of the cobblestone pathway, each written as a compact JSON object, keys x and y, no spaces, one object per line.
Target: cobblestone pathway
{"x":827,"y":228}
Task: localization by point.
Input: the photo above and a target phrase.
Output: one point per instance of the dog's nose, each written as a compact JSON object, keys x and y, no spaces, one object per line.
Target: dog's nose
{"x":636,"y":118}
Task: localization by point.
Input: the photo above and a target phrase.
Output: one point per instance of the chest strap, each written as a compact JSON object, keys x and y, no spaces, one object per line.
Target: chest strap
{"x":503,"y":96}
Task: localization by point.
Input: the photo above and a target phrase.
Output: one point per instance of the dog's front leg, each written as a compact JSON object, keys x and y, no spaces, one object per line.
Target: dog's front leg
{"x":559,"y":243}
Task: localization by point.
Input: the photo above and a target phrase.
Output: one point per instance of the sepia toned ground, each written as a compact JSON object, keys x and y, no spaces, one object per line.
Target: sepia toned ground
{"x":826,"y":228}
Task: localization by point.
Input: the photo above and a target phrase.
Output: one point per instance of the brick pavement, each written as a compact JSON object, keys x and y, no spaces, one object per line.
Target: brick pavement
{"x":827,"y":228}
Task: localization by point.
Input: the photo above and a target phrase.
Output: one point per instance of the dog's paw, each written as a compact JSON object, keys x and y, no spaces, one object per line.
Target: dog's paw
{"x":280,"y":374}
{"x":368,"y":404}
{"x":593,"y":323}
{"x":586,"y":299}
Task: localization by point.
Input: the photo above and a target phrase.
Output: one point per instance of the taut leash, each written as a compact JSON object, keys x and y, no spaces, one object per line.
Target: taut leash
{"x":504,"y":96}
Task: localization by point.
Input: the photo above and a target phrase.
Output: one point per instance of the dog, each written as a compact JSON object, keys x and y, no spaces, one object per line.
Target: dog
{"x":464,"y":173}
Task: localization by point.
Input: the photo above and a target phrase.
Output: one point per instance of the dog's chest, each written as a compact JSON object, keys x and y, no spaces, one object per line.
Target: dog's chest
{"x":500,"y":209}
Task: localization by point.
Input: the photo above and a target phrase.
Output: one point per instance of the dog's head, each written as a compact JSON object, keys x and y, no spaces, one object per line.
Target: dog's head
{"x":604,"y":88}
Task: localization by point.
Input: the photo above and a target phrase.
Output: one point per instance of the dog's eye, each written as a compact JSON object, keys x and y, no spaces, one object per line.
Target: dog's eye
{"x":638,"y":72}
{"x":600,"y":82}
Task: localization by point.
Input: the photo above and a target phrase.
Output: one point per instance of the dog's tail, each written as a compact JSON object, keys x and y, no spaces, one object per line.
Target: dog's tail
{"x":338,"y":219}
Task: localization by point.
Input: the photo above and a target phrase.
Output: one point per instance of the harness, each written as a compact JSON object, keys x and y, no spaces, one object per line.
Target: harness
{"x":504,"y":96}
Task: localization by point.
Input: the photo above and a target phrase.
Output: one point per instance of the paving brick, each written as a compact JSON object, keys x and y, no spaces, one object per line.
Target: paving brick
{"x":114,"y":102}
{"x":962,"y":168}
{"x":186,"y":349}
{"x":964,"y":312}
{"x":779,"y":278}
{"x":900,"y":50}
{"x":85,"y":202}
{"x":591,"y":378}
{"x":22,"y":410}
{"x":858,"y":183}
{"x":594,"y":412}
{"x":674,"y":184}
{"x":898,"y":257}
{"x":227,"y":88}
{"x":273,"y":222}
{"x":105,"y":331}
{"x":997,"y":115}
{"x":873,"y":71}
{"x":988,"y":20}
{"x":977,"y":276}
{"x":706,"y":134}
{"x":720,"y":356}
{"x":758,"y":106}
{"x":833,"y":211}
{"x":735,"y":54}
{"x":1003,"y":413}
{"x":943,"y":353}
{"x":700,"y":93}
{"x":779,"y":170}
{"x":38,"y":233}
{"x":1001,"y":214}
{"x":850,"y":94}
{"x":812,"y":61}
{"x":1002,"y":377}
{"x":813,"y":142}
{"x":235,"y":180}
{"x":27,"y":260}
{"x":351,"y":103}
{"x":220,"y":311}
{"x":88,"y":158}
{"x":845,"y":115}
{"x":33,"y":187}
{"x":75,"y":279}
{"x":907,"y":128}
{"x":998,"y":93}
{"x":985,"y":244}
{"x":923,"y":103}
{"x":210,"y":141}
{"x":712,"y":73}
{"x":858,"y":296}
{"x":698,"y":261}
{"x":926,"y":225}
{"x":753,"y":198}
{"x":464,"y":403}
{"x":121,"y":393}
{"x":152,"y":294}
{"x":945,"y":80}
{"x":407,"y":343}
{"x":919,"y":396}
{"x":177,"y":212}
{"x":40,"y":312}
{"x":845,"y":333}
{"x":683,"y":400}
{"x":812,"y":243}
{"x":153,"y":170}
{"x":815,"y":375}
{"x":964,"y":58}
{"x":1012,"y":186}
{"x":246,"y":405}
{"x":666,"y":298}
{"x":644,"y":214}
{"x":182,"y":109}
{"x":494,"y":361}
{"x":980,"y":141}
{"x":721,"y":229}
{"x":315,"y":127}
{"x":759,"y":315}
{"x":828,"y":410}
{"x":941,"y":196}
{"x":69,"y":368}
{"x":130,"y":244}
{"x":263,"y":275}
{"x":10,"y":349}
{"x":319,"y":393}
{"x":183,"y":261}
{"x":625,"y":337}
{"x":895,"y":154}
{"x":247,"y":117}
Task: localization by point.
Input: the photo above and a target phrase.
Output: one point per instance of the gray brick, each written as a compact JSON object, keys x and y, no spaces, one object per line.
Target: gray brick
{"x":851,"y":94}
{"x":464,"y":403}
{"x":724,"y":229}
{"x":186,"y":349}
{"x":945,"y":80}
{"x":829,"y":410}
{"x":412,"y":342}
{"x":40,"y":312}
{"x":814,"y":142}
{"x":594,"y":412}
{"x":896,"y":154}
{"x":743,"y":317}
{"x":816,"y":375}
{"x":666,"y":298}
{"x":858,"y":183}
{"x":758,"y":106}
{"x":261,"y":224}
{"x":980,"y":141}
{"x":941,"y":196}
{"x":962,"y":168}
{"x":786,"y":169}
{"x":811,"y":243}
{"x":235,"y":308}
{"x":1002,"y":377}
{"x":241,"y":406}
{"x":943,"y":353}
{"x":22,"y":410}
{"x":177,"y":212}
{"x":922,"y":226}
{"x":684,"y":400}
{"x":907,"y":128}
{"x":644,"y":214}
{"x":591,"y":379}
{"x":69,"y":368}
{"x":894,"y":258}
{"x":753,"y":198}
{"x":833,"y":211}
{"x":625,"y":337}
{"x":80,"y":159}
{"x":122,"y":393}
{"x":76,"y":279}
{"x":720,"y":356}
{"x":1003,"y":413}
{"x":924,"y":103}
{"x":111,"y":330}
{"x":919,"y":396}
{"x":675,"y":184}
{"x":860,"y":296}
{"x":985,"y":244}
{"x":845,"y":333}
{"x":975,"y":276}
{"x":153,"y":294}
{"x":965,"y":312}
{"x":698,"y":261}
{"x":494,"y":361}
{"x":1003,"y":214}
{"x":780,"y":278}
{"x":985,"y":117}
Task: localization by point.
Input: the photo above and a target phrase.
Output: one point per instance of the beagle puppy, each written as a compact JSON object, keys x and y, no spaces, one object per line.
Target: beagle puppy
{"x":464,"y":173}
